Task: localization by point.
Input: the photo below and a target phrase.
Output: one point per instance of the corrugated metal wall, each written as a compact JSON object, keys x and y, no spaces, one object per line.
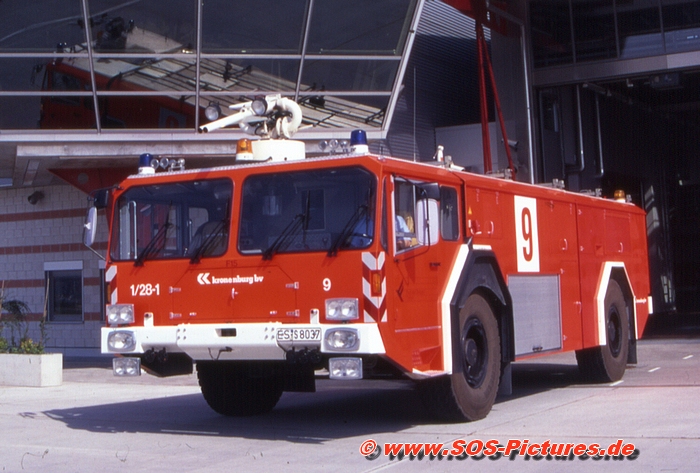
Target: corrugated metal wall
{"x":440,"y":84}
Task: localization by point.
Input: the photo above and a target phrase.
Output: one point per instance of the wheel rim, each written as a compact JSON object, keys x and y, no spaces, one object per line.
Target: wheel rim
{"x":614,"y":331}
{"x":475,"y":352}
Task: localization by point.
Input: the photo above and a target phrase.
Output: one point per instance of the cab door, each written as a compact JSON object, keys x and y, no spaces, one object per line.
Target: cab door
{"x":420,"y":215}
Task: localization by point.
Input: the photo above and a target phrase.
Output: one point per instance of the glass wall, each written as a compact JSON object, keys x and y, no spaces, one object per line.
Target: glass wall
{"x":550,"y":29}
{"x":574,"y":31}
{"x":594,"y":29}
{"x":153,"y":64}
{"x":639,"y":27}
{"x":681,"y":25}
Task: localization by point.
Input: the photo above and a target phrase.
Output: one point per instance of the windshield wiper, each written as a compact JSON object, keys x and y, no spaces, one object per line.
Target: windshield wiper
{"x":209,"y":240}
{"x":157,"y":241}
{"x":285,"y":238}
{"x":360,"y":212}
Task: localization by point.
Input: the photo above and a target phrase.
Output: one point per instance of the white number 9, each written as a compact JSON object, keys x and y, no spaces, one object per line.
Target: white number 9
{"x":327,"y":284}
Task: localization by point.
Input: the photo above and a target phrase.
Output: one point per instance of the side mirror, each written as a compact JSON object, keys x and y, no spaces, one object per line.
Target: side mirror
{"x":90,"y":227}
{"x":427,"y":221}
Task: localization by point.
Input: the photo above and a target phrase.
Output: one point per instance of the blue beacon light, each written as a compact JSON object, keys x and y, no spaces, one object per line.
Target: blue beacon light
{"x":358,"y":142}
{"x":145,"y":166}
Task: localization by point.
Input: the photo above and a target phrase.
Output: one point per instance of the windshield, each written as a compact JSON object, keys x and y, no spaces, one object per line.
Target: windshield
{"x":178,"y":220}
{"x":320,"y":210}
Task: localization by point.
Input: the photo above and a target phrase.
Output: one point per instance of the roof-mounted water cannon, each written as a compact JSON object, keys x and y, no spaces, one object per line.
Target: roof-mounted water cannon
{"x":273,"y":116}
{"x":245,"y":115}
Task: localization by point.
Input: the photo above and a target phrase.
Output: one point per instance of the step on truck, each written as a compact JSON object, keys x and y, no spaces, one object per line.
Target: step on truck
{"x":278,"y":269}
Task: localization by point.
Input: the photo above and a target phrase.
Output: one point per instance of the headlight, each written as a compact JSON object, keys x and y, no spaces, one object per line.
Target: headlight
{"x":126,"y":366}
{"x":342,"y":309}
{"x":345,"y":368}
{"x":121,"y":341}
{"x":120,"y":314}
{"x":342,"y":339}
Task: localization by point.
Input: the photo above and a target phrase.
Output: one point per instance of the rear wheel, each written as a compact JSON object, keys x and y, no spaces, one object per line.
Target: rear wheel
{"x":240,"y":388}
{"x":608,"y":362}
{"x":469,"y":393}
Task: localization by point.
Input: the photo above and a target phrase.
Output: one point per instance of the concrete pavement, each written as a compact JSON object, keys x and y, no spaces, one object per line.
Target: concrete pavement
{"x":95,"y":422}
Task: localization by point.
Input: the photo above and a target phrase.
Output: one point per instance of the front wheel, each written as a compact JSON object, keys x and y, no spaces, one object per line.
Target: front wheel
{"x":240,"y":388}
{"x":470,"y":391}
{"x":608,"y":362}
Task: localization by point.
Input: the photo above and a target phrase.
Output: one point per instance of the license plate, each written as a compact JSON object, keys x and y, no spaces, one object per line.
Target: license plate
{"x":298,"y":334}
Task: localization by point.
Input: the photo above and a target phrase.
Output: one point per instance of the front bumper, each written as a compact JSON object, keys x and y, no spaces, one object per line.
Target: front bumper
{"x":247,"y":341}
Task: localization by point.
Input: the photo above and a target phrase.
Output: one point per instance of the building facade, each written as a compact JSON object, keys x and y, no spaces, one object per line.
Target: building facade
{"x":600,"y":94}
{"x":86,"y":87}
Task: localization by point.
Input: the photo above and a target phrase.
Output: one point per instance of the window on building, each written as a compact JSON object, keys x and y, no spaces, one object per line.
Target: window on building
{"x":639,"y":28}
{"x":551,"y":32}
{"x":64,"y":291}
{"x":681,"y":22}
{"x":594,"y":30}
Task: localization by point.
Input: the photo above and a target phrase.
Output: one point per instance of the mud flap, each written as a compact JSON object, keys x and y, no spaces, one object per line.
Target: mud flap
{"x":632,"y":353}
{"x":299,"y":378}
{"x":505,"y":387}
{"x":164,"y":364}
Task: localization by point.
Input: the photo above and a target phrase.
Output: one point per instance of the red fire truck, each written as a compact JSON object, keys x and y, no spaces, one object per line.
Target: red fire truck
{"x":267,"y":274}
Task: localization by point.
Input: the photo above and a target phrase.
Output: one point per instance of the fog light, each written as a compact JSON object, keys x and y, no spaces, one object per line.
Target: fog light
{"x":121,"y":341}
{"x":342,"y":339}
{"x":126,"y":366}
{"x":345,"y":368}
{"x":342,"y":309}
{"x":120,"y":314}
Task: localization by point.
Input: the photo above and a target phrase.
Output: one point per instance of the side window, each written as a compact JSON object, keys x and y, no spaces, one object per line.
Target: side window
{"x":404,"y":215}
{"x":449,"y":214}
{"x":416,"y":214}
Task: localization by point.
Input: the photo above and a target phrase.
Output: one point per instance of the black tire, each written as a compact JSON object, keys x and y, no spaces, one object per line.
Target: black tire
{"x":608,"y":362}
{"x":470,"y":391}
{"x":240,"y":388}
